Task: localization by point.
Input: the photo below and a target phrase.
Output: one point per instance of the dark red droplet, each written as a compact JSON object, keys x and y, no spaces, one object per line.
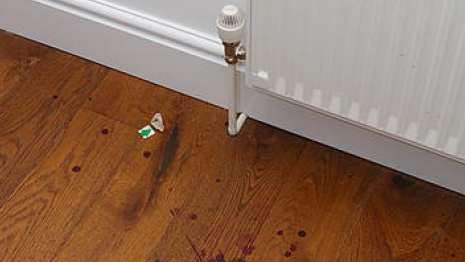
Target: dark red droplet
{"x":105,"y":131}
{"x":218,"y":180}
{"x":76,"y":169}
{"x":194,"y":217}
{"x":302,"y":233}
{"x":220,"y":257}
{"x":202,"y":253}
{"x":287,"y":254}
{"x":248,"y":250}
{"x":293,"y":247}
{"x":452,"y":255}
{"x":280,"y":233}
{"x":174,"y":212}
{"x":90,"y":98}
{"x":147,"y":154}
{"x":55,"y":97}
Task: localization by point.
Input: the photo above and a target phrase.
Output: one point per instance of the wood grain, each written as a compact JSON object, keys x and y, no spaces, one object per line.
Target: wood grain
{"x":35,"y":113}
{"x":325,"y":194}
{"x":153,"y":209}
{"x":52,"y":200}
{"x":77,"y":183}
{"x":133,"y":101}
{"x":17,"y":57}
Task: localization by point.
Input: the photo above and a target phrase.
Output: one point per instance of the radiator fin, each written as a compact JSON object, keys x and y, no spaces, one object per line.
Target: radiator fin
{"x":394,"y":66}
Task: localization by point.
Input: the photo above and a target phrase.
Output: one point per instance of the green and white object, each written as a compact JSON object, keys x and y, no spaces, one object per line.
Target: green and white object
{"x":146,"y":132}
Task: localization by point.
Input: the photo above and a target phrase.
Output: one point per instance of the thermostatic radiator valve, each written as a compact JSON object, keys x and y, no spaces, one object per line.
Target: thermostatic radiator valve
{"x":231,"y":27}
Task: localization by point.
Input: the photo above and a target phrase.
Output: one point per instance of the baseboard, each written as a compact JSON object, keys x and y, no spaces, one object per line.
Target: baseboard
{"x":166,"y":54}
{"x":356,"y":140}
{"x":191,"y":63}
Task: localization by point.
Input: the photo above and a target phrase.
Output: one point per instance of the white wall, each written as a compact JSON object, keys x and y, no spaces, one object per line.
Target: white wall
{"x":199,"y":15}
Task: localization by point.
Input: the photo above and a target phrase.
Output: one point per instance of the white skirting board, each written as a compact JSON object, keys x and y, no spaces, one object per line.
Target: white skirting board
{"x":157,"y":52}
{"x":190,"y":63}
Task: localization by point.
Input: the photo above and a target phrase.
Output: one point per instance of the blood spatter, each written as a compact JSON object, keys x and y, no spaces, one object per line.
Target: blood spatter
{"x":76,"y":169}
{"x":174,"y":212}
{"x":194,"y":217}
{"x":245,"y":239}
{"x":248,"y":250}
{"x":147,"y":154}
{"x":302,"y":233}
{"x":105,"y":131}
{"x":280,"y":233}
{"x":287,"y":254}
{"x":220,"y":257}
{"x":293,"y":247}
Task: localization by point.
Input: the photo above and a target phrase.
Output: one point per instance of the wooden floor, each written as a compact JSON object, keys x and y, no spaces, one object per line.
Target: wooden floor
{"x":77,"y":183}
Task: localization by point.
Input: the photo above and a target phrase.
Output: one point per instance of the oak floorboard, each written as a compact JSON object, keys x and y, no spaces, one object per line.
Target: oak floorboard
{"x":451,"y":247}
{"x":17,"y":57}
{"x":145,"y":216}
{"x":36,"y":112}
{"x":232,"y":208}
{"x":406,"y":220}
{"x":52,"y":200}
{"x":133,"y":101}
{"x":326,"y":193}
{"x":412,"y":218}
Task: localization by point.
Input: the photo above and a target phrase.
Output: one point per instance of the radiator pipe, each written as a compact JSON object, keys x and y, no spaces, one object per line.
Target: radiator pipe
{"x":233,"y":54}
{"x":235,"y":123}
{"x":231,"y":26}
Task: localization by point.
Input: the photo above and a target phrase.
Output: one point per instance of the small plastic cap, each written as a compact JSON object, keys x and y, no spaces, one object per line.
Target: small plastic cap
{"x":231,"y":24}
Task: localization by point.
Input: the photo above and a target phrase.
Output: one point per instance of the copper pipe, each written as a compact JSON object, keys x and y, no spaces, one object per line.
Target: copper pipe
{"x":231,"y":55}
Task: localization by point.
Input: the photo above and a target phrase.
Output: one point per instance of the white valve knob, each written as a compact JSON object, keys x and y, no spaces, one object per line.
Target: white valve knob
{"x":231,"y":24}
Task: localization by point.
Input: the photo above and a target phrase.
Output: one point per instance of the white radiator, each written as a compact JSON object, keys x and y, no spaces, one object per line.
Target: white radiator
{"x":394,"y":66}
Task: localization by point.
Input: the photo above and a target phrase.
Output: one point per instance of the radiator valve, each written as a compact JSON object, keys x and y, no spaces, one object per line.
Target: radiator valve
{"x":231,"y":26}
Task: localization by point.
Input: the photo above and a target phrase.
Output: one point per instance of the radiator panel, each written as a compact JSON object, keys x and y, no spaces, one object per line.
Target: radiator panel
{"x":390,"y":65}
